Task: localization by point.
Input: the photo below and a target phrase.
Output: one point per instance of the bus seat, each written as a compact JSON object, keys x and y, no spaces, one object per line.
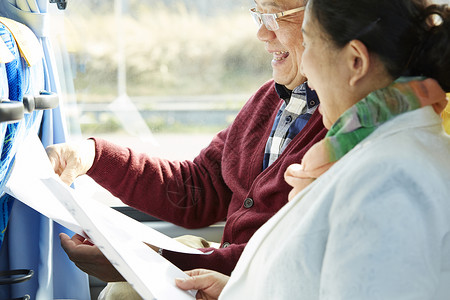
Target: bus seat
{"x":22,"y":100}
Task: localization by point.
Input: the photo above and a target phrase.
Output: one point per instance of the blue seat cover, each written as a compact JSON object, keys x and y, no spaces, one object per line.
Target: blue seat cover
{"x":19,"y":83}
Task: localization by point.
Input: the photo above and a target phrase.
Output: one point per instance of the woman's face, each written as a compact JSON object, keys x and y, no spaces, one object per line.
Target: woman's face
{"x":284,"y":43}
{"x":324,"y":66}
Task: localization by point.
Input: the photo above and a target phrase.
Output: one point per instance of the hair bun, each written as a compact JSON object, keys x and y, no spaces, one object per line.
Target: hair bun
{"x":432,"y":56}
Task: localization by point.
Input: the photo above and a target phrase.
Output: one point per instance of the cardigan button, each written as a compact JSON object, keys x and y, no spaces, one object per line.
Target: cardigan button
{"x":248,"y":202}
{"x":225,"y":245}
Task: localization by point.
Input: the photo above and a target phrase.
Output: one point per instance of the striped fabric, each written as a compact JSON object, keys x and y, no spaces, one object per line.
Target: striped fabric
{"x":292,"y":116}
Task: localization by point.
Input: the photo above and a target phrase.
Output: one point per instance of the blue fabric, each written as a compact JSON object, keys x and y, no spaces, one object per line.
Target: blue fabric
{"x":15,"y":91}
{"x":18,"y":75}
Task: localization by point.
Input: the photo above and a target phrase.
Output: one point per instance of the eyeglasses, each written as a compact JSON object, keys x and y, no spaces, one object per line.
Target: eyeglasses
{"x":270,"y":20}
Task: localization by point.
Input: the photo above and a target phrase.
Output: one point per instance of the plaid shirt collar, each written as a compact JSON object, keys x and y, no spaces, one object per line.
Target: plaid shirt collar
{"x":285,"y":94}
{"x":291,"y":118}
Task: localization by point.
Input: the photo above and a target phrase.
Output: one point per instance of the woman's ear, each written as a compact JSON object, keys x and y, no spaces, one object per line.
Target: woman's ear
{"x":358,"y":61}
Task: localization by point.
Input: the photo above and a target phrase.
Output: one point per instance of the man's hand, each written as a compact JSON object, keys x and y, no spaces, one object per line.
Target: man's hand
{"x":208,"y":283}
{"x":71,"y":160}
{"x":89,"y":258}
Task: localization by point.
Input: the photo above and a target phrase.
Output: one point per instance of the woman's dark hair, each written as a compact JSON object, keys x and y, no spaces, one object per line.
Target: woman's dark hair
{"x":411,"y":38}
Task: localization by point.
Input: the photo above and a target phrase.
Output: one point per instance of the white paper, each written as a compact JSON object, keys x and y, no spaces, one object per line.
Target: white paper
{"x":120,"y":238}
{"x":151,"y":275}
{"x":31,"y":165}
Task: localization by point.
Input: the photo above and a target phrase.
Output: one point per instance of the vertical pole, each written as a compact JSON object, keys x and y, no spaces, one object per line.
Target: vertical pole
{"x":121,"y":61}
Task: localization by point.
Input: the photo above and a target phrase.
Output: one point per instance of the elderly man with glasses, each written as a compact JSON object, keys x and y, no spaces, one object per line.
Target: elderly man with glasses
{"x":238,"y":177}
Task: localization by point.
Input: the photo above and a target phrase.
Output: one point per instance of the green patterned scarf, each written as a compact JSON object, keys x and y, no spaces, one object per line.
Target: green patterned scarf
{"x":355,"y":124}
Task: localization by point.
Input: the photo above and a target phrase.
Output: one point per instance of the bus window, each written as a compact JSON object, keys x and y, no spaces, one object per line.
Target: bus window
{"x":161,"y":77}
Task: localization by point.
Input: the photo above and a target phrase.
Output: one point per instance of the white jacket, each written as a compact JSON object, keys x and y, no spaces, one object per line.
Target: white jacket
{"x":376,"y":225}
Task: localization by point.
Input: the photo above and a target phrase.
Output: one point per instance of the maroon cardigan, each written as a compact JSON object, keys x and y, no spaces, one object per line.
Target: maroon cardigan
{"x":225,"y":181}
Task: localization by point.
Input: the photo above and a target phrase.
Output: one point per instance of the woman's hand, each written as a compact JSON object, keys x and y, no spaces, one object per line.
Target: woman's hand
{"x":71,"y":160}
{"x":297,"y":178}
{"x":208,"y":283}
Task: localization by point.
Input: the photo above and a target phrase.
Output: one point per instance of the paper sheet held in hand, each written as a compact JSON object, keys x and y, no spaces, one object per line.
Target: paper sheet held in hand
{"x":120,"y":238}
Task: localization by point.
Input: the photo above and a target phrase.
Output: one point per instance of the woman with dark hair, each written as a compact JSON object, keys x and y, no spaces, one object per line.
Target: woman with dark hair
{"x":369,"y":216}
